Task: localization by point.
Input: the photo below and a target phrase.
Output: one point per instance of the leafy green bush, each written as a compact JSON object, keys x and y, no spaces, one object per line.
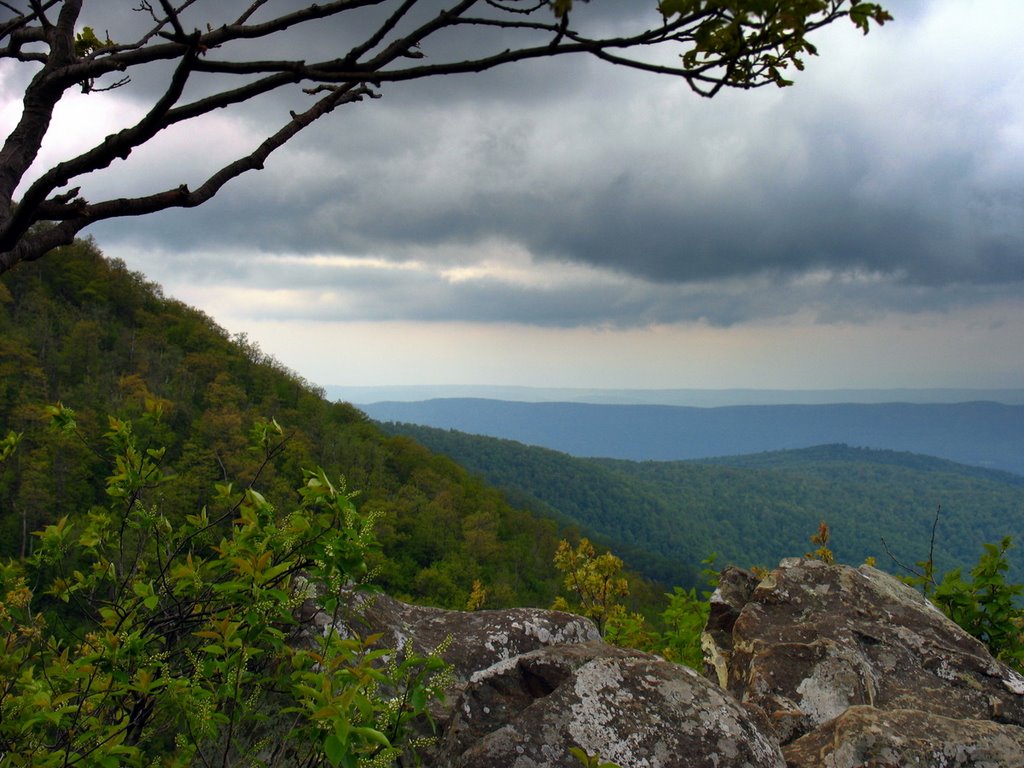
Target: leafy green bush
{"x":129,"y":640}
{"x":986,"y":605}
{"x":596,"y":589}
{"x":594,"y":583}
{"x":684,"y":618}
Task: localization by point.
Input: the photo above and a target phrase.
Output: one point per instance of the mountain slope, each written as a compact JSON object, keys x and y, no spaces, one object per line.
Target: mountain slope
{"x":979,"y":433}
{"x":667,"y":516}
{"x":83,"y":330}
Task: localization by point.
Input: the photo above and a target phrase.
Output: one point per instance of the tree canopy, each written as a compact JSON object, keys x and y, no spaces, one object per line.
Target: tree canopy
{"x":84,"y":330}
{"x":211,"y":56}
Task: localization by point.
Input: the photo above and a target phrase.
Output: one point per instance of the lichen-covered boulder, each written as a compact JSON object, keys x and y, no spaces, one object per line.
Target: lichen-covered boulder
{"x":815,"y":639}
{"x":473,"y":640}
{"x":628,"y":707}
{"x":900,"y":738}
{"x":468,"y":641}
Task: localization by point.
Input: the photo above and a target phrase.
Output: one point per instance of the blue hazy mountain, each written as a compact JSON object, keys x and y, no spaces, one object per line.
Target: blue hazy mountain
{"x":702,"y":398}
{"x":986,"y":434}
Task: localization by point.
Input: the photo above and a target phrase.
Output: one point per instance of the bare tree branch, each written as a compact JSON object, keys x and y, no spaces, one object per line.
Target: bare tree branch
{"x":172,"y":17}
{"x":119,"y":145}
{"x":41,"y":96}
{"x":742,"y":44}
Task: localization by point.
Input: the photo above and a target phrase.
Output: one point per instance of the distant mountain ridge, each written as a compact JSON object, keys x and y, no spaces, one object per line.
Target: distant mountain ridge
{"x":701,"y":398}
{"x":820,"y":454}
{"x":984,"y":434}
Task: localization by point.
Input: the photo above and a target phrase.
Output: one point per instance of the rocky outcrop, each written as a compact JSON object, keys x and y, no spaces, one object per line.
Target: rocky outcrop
{"x":852,"y":667}
{"x":471,"y":641}
{"x":475,"y":640}
{"x":629,"y":707}
{"x":735,"y":586}
{"x":528,"y":685}
{"x":814,"y":665}
{"x":895,"y":738}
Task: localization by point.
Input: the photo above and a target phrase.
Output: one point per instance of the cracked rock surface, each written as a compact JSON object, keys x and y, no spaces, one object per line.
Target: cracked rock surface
{"x":865,"y":736}
{"x":632,"y":708}
{"x":836,"y":652}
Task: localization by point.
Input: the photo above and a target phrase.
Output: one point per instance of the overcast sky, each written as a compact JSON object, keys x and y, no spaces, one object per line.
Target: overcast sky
{"x":569,"y":224}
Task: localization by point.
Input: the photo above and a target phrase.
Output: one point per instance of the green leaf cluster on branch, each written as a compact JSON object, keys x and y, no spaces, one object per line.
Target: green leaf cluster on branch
{"x":720,"y":43}
{"x":128,"y":640}
{"x":759,"y":39}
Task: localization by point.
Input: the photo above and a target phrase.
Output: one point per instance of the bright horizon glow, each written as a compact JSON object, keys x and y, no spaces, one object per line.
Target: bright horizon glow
{"x":668,"y":357}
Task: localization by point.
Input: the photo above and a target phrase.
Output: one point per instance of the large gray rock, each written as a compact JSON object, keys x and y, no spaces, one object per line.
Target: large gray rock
{"x":632,"y":708}
{"x":844,"y":667}
{"x":813,"y":640}
{"x":529,"y":684}
{"x":467,"y":641}
{"x":865,"y":736}
{"x":473,"y":640}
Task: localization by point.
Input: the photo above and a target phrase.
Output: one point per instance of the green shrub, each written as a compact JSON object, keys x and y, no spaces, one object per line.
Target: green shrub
{"x":986,"y":605}
{"x":594,"y":583}
{"x":127,"y":639}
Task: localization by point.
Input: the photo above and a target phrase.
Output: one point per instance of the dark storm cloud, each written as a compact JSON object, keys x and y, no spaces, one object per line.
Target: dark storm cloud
{"x":887,"y":179}
{"x":931,"y":228}
{"x":330,"y":289}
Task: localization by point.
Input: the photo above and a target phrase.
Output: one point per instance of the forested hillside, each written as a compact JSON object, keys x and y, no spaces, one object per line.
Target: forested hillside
{"x":665,"y":517}
{"x":985,"y":434}
{"x":85,"y":331}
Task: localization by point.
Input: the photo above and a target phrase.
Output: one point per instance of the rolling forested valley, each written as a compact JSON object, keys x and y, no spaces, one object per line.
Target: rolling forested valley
{"x":664,"y":518}
{"x":978,"y":432}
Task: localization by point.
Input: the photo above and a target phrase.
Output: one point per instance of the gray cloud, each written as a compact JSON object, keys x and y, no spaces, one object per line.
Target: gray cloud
{"x":326,"y":289}
{"x":888,"y":179}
